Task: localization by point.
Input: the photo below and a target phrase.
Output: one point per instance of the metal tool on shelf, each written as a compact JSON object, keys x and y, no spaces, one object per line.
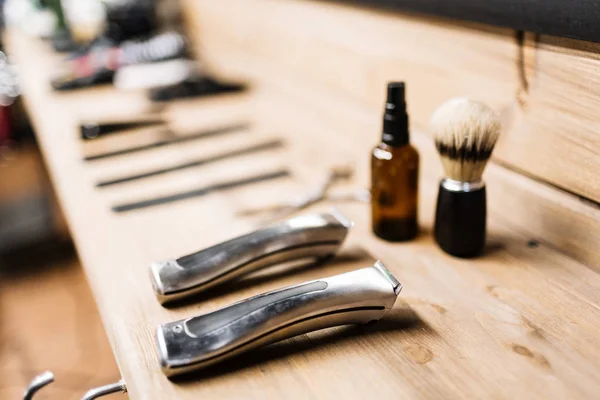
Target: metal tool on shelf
{"x":38,"y":383}
{"x":356,"y":297}
{"x":319,"y":194}
{"x":202,"y":191}
{"x":266,"y":145}
{"x":171,"y":138}
{"x":117,"y":387}
{"x":313,"y":236}
{"x":47,"y":378}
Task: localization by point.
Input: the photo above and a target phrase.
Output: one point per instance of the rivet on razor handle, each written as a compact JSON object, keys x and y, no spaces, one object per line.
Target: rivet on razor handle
{"x":356,"y":297}
{"x":313,"y":236}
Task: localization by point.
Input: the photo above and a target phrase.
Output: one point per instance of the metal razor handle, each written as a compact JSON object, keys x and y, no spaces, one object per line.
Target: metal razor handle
{"x":356,"y":297}
{"x":308,"y":236}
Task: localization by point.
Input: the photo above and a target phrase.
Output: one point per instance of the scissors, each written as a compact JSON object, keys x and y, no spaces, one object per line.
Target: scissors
{"x":320,"y":193}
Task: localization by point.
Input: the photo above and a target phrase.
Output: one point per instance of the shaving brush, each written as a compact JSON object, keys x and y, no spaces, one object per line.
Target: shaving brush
{"x":465,"y":134}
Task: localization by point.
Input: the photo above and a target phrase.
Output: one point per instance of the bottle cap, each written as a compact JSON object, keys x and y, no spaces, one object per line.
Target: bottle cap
{"x":395,"y":118}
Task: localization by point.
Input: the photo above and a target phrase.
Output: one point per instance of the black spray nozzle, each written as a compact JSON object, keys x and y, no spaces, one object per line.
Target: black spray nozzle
{"x":395,"y":119}
{"x":396,"y":93}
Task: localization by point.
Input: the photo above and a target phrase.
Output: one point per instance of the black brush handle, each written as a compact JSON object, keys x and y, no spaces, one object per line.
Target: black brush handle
{"x":460,"y":221}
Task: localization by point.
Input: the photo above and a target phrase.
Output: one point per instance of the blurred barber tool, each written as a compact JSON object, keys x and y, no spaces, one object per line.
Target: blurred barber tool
{"x":93,"y":130}
{"x":155,"y":75}
{"x":203,"y":191}
{"x":99,"y":63}
{"x":319,"y":194}
{"x":172,"y":138}
{"x":255,"y":148}
{"x":196,"y":86}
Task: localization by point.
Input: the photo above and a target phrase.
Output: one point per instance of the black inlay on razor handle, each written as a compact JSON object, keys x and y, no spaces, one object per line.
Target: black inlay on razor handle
{"x":201,"y":191}
{"x":272,"y":144}
{"x":173,"y":140}
{"x":460,"y":222}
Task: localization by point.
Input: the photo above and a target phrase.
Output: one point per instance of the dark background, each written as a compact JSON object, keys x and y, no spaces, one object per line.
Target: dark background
{"x":579,"y":19}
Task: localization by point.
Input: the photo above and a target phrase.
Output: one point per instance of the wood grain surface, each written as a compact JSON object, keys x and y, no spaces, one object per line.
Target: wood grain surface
{"x":521,"y":322}
{"x":555,"y":135}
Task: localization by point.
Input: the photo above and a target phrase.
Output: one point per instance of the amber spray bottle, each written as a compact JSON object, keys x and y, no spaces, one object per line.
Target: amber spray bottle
{"x":395,"y":173}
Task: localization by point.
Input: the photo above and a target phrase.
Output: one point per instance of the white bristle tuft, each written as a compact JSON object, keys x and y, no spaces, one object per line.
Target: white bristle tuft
{"x":465,"y":133}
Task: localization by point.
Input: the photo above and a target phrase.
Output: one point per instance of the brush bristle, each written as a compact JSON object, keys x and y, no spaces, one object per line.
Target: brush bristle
{"x":465,"y":134}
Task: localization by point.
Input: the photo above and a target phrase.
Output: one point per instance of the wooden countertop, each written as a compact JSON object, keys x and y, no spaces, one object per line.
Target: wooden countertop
{"x":520,"y":322}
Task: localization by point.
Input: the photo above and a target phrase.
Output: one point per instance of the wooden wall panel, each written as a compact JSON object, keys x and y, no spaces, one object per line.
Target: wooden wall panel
{"x":355,"y":51}
{"x":556,"y":134}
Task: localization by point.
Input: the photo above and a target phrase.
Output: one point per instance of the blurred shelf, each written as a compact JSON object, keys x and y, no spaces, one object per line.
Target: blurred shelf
{"x":29,"y":215}
{"x":49,"y":321}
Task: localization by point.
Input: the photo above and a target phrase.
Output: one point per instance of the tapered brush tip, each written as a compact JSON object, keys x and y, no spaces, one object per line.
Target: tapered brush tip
{"x":465,"y":133}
